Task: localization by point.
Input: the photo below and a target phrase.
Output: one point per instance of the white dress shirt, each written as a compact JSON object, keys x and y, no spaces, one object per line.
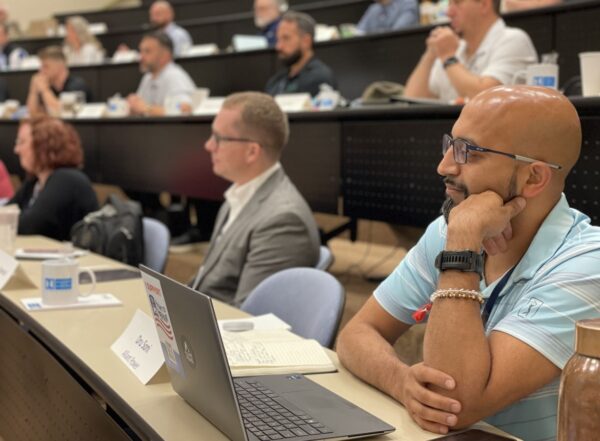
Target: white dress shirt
{"x":237,"y":196}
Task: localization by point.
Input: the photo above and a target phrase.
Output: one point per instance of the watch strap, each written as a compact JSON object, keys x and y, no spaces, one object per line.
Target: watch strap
{"x":450,"y":61}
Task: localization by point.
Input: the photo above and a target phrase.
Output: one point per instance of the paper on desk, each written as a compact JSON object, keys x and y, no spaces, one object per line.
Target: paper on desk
{"x":97,"y":300}
{"x":265,"y":322}
{"x":44,"y":254}
{"x":274,"y":352}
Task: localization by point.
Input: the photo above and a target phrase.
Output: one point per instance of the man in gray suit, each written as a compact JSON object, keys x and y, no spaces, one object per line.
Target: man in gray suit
{"x":264,"y":225}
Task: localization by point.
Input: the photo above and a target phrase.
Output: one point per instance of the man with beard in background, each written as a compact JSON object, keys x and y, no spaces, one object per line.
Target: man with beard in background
{"x":303,"y":72}
{"x":504,"y":274}
{"x":162,"y":80}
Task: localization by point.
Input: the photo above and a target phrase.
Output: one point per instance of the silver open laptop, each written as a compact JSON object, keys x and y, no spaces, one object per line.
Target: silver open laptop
{"x":268,"y":407}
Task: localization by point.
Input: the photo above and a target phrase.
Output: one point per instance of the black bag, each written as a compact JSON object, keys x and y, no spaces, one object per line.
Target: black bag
{"x":115,"y":231}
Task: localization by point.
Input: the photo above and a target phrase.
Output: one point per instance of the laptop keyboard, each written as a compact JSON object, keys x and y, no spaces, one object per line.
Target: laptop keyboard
{"x":268,"y":418}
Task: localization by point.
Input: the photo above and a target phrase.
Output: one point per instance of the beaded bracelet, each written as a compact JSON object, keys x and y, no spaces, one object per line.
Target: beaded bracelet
{"x":457,"y":293}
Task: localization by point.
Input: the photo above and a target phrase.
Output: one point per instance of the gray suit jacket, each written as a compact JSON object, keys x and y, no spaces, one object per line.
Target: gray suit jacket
{"x":275,"y":230}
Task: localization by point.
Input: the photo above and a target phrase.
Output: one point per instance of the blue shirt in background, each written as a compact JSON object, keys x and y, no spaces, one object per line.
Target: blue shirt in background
{"x":396,"y":15}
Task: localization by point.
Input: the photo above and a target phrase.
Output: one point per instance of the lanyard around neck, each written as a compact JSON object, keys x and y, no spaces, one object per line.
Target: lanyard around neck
{"x":491,"y":301}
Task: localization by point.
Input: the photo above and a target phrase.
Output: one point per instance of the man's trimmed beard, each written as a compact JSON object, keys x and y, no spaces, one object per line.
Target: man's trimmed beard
{"x":449,"y":204}
{"x":291,"y":59}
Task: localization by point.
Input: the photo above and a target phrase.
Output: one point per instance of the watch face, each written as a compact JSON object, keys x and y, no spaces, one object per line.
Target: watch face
{"x":460,"y":260}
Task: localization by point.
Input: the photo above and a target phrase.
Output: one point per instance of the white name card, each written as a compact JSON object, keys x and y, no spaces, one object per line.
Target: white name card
{"x":201,"y":50}
{"x":92,"y":111}
{"x":11,"y":274}
{"x":209,"y":106}
{"x":139,"y":347}
{"x":294,"y":102}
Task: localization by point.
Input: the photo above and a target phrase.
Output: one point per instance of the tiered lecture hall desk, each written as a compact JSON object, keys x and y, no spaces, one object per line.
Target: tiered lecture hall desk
{"x":59,"y":380}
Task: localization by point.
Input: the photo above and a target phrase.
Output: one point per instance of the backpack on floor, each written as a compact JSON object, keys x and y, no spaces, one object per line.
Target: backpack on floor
{"x":115,"y":231}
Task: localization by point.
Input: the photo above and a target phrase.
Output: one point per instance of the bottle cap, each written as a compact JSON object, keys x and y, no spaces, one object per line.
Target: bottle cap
{"x":587,"y":338}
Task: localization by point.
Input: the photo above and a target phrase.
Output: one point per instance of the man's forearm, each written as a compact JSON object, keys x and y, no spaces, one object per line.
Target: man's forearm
{"x":466,"y":83}
{"x":51,"y":102}
{"x":371,"y":358}
{"x":418,"y":82}
{"x":455,"y":340}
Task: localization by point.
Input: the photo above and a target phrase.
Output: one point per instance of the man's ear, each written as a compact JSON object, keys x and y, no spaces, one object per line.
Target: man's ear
{"x":306,"y":41}
{"x":254,"y":152}
{"x":538,"y":178}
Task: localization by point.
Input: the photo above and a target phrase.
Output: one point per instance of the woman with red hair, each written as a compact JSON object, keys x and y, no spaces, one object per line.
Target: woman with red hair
{"x":56,"y":193}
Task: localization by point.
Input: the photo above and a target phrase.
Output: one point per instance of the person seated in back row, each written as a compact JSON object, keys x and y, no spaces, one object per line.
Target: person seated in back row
{"x":267,"y":16}
{"x":56,"y":193}
{"x":81,"y":46}
{"x":303,"y":72}
{"x":389,"y":15}
{"x":264,"y":225}
{"x":52,"y":79}
{"x":162,"y":17}
{"x":477,"y":52}
{"x":163,"y":80}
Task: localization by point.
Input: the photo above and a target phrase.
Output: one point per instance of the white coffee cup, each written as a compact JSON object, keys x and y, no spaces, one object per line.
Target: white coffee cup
{"x":590,"y":73}
{"x":60,"y":281}
{"x":541,"y":74}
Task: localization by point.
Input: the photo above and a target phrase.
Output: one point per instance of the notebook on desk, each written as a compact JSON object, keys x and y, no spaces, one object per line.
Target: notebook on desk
{"x":268,"y":407}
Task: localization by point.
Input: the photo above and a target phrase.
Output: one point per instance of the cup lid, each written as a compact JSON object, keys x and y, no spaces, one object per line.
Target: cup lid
{"x":587,"y":338}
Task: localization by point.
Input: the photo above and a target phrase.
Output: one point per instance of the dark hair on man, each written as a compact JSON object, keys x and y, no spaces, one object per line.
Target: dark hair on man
{"x":496,"y":6}
{"x":52,"y":53}
{"x":163,"y":39}
{"x":306,"y":24}
{"x":262,"y":120}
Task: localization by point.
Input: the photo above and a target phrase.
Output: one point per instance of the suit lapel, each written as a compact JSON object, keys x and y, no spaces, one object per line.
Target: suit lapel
{"x":234,"y":231}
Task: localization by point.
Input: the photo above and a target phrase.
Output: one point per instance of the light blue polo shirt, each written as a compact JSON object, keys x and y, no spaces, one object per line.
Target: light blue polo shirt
{"x":556,"y":283}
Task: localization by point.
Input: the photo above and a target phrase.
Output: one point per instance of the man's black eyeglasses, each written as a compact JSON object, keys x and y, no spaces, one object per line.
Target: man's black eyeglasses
{"x":461,"y":148}
{"x":219,"y":139}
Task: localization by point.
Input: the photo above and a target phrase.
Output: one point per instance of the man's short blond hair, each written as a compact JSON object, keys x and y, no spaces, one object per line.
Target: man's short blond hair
{"x":262,"y":120}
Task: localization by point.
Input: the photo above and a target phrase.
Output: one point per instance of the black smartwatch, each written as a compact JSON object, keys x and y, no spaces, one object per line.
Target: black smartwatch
{"x":468,"y":261}
{"x":450,"y":61}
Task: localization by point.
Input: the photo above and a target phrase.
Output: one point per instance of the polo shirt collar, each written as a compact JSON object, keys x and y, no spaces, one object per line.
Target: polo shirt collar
{"x":549,"y":238}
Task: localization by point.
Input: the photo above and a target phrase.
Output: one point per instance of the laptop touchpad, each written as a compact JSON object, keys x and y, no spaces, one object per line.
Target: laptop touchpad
{"x":313,"y":400}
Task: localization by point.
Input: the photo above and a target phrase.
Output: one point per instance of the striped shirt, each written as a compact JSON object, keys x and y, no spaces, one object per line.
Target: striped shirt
{"x":556,"y":283}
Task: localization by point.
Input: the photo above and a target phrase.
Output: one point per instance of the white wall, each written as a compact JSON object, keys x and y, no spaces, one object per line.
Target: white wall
{"x":25,"y":10}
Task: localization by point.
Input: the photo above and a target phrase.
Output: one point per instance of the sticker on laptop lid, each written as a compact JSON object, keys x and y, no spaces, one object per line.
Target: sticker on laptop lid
{"x":162,"y":321}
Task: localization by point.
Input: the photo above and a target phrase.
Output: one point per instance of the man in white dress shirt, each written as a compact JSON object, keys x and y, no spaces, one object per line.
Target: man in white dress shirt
{"x":477,"y":52}
{"x":163,"y":80}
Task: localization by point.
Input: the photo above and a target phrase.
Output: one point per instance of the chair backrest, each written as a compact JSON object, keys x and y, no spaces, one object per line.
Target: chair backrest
{"x":156,"y":244}
{"x":308,"y":299}
{"x":325,"y":258}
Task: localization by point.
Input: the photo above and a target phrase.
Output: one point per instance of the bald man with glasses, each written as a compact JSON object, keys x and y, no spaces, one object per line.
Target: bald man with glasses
{"x":499,"y":279}
{"x":265,"y":225}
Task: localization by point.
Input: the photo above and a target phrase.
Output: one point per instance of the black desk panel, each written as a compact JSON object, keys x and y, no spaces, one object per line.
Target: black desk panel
{"x":576,"y":31}
{"x":358,"y":62}
{"x":225,"y":73}
{"x":382,"y":161}
{"x":389,"y":170}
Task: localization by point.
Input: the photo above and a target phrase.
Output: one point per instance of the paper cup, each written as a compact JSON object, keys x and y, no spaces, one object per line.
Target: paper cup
{"x":590,"y":73}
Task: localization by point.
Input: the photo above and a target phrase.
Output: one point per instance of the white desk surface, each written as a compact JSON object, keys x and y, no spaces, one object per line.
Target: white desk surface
{"x":88,"y":334}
